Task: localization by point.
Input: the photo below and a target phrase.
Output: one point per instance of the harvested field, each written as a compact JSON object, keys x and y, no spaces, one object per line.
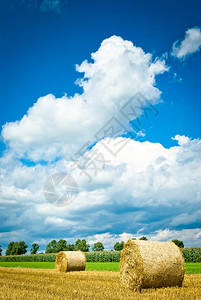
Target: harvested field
{"x":49,"y":284}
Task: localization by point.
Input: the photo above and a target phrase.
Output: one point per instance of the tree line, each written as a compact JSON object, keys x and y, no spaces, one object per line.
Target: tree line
{"x":19,"y":248}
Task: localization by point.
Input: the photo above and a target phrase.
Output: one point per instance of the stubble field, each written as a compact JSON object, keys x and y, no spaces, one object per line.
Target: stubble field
{"x":19,"y":283}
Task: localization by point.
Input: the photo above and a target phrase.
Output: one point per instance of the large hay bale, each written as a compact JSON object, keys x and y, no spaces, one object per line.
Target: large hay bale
{"x":70,"y":261}
{"x":146,"y":264}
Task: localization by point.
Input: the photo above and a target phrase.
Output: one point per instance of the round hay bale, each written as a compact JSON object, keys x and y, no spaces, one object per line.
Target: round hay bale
{"x":67,"y":261}
{"x":146,"y":264}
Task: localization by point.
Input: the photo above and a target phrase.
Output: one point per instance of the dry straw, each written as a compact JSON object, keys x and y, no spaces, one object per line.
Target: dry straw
{"x":146,"y":264}
{"x":70,"y":261}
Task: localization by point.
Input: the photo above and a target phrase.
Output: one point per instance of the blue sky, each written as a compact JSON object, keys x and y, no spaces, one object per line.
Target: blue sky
{"x":41,"y":44}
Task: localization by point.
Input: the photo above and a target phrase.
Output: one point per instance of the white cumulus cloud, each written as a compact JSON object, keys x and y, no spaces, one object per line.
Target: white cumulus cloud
{"x":143,"y":189}
{"x":190,"y":237}
{"x":189,"y":45}
{"x":58,"y":127}
{"x":181,"y":139}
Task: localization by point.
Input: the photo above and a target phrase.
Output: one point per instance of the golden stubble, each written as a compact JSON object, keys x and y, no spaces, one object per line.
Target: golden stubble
{"x":20,"y":283}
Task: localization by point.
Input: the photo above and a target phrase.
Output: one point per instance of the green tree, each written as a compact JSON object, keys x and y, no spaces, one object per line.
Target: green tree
{"x":21,"y":247}
{"x":143,"y":238}
{"x":133,"y":239}
{"x":10,"y":248}
{"x":70,"y":247}
{"x":51,"y":247}
{"x":34,"y":248}
{"x":118,"y":246}
{"x":1,"y":250}
{"x":16,"y":248}
{"x":81,"y":245}
{"x":61,"y":245}
{"x":98,"y":247}
{"x":179,"y":243}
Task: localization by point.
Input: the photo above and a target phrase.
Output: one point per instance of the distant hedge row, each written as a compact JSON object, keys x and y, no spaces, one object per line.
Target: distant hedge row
{"x":189,"y":254}
{"x":34,"y":257}
{"x":104,"y":256}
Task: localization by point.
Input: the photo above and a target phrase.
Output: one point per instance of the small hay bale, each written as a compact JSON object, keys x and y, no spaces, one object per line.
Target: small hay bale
{"x":67,"y":261}
{"x":146,"y":264}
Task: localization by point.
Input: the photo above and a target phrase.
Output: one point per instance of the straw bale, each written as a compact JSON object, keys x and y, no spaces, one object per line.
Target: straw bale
{"x":147,"y":264}
{"x":70,"y":261}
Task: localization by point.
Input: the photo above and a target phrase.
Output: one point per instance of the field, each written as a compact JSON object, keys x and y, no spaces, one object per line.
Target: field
{"x":91,"y":266}
{"x":39,"y":280}
{"x":191,"y":268}
{"x":19,"y":283}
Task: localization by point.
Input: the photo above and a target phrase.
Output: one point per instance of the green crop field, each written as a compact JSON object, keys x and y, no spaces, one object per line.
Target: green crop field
{"x":191,"y":268}
{"x":28,"y":264}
